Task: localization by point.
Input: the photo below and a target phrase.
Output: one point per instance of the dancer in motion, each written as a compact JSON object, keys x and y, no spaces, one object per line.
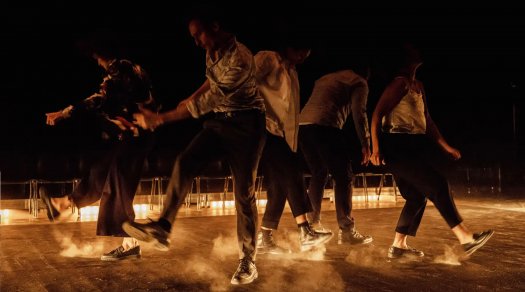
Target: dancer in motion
{"x":235,"y":133}
{"x":408,"y":130}
{"x":114,"y":176}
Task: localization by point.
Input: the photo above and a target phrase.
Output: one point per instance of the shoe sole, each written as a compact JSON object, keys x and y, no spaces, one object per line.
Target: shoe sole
{"x":140,"y":235}
{"x":310,"y":247}
{"x":323,"y":231}
{"x":49,"y":209}
{"x":247,"y":281}
{"x":482,"y":243}
{"x":137,"y":233}
{"x":406,"y":256}
{"x":340,"y":241}
{"x":113,"y":259}
{"x":273,"y":252}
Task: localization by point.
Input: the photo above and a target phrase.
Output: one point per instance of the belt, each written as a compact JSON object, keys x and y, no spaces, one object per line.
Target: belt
{"x":239,"y":113}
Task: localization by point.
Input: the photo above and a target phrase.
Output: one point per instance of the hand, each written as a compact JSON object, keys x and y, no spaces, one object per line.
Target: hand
{"x":53,"y":118}
{"x":376,"y":159}
{"x":147,"y":119}
{"x":453,"y":152}
{"x":365,"y":151}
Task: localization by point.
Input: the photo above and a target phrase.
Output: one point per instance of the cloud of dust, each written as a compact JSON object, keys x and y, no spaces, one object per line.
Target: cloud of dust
{"x":71,"y":249}
{"x":451,"y":256}
{"x":224,"y":246}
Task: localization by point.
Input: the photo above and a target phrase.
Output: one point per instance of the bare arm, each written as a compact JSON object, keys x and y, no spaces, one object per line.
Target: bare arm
{"x":150,"y":120}
{"x":434,"y":133}
{"x":91,"y":103}
{"x":181,"y":112}
{"x":359,"y":98}
{"x":391,"y":96}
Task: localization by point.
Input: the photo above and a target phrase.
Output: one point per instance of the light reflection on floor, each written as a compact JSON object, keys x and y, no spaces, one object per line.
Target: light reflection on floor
{"x":205,"y":207}
{"x":143,"y":210}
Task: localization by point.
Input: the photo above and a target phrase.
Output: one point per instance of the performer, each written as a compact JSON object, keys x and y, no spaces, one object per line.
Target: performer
{"x":279,"y":85}
{"x":325,"y":146}
{"x":114,"y":176}
{"x":408,"y":130}
{"x":234,"y":133}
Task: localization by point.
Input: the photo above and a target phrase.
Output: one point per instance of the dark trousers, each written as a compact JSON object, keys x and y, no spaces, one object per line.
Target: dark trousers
{"x":284,"y":180}
{"x":325,"y":150}
{"x":239,"y":140}
{"x":113,"y":179}
{"x":406,"y":157}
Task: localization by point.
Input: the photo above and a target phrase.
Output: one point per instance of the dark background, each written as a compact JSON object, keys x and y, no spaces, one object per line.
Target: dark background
{"x":473,"y":63}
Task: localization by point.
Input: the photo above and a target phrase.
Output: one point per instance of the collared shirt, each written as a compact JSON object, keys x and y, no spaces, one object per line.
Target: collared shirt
{"x":279,"y":87}
{"x":408,"y":116}
{"x":333,"y":98}
{"x":232,"y":83}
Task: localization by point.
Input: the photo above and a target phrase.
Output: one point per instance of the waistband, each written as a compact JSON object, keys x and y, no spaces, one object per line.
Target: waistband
{"x":239,"y":113}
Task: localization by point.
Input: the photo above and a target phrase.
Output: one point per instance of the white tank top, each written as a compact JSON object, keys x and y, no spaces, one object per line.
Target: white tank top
{"x":408,"y":116}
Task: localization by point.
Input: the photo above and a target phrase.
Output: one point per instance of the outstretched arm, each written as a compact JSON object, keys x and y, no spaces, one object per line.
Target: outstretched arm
{"x":88,"y":104}
{"x":151,"y":120}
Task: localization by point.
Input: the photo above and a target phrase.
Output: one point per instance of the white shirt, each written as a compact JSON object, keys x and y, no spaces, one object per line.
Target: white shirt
{"x":232,"y":83}
{"x":335,"y":96}
{"x":278,"y":84}
{"x":408,"y":116}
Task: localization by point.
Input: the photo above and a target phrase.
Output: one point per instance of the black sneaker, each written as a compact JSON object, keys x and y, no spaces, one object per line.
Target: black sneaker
{"x":149,"y":232}
{"x":396,"y":252}
{"x":479,"y":240}
{"x":352,"y":236}
{"x":266,"y":244}
{"x":120,"y":254}
{"x":52,"y":212}
{"x":310,"y":238}
{"x":246,"y":272}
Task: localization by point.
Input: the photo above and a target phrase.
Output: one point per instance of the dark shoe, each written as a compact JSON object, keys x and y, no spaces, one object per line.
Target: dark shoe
{"x":352,"y":236}
{"x":319,"y":228}
{"x":149,"y":232}
{"x":52,"y":212}
{"x":246,"y":272}
{"x":396,"y":252}
{"x":120,"y":254}
{"x":479,"y":240}
{"x":266,"y":244}
{"x":310,"y":238}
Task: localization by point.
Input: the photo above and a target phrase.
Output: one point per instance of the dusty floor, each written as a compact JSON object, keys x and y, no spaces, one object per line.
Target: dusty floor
{"x":203,"y":256}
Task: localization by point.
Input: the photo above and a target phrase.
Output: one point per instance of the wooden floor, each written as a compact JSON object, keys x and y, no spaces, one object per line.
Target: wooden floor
{"x":203,"y":255}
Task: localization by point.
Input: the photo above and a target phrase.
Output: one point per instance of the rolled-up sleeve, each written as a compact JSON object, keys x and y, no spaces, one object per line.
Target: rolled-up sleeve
{"x":222,"y":87}
{"x":359,"y":100}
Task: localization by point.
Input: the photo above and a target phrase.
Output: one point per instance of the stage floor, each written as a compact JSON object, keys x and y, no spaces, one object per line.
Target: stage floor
{"x":203,"y":255}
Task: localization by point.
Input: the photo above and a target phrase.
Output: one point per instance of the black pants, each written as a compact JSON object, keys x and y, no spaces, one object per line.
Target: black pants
{"x":239,"y":139}
{"x":325,"y":150}
{"x":113,"y":179}
{"x":406,"y":157}
{"x":284,"y":180}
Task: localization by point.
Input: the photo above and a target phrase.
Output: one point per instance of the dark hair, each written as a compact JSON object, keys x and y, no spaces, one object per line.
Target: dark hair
{"x":394,"y":55}
{"x":207,"y":15}
{"x":102,"y":45}
{"x":356,"y":60}
{"x":296,"y":41}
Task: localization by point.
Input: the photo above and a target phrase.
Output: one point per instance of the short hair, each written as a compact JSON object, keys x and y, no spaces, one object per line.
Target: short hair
{"x":392,"y":56}
{"x":102,"y":45}
{"x":207,"y":15}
